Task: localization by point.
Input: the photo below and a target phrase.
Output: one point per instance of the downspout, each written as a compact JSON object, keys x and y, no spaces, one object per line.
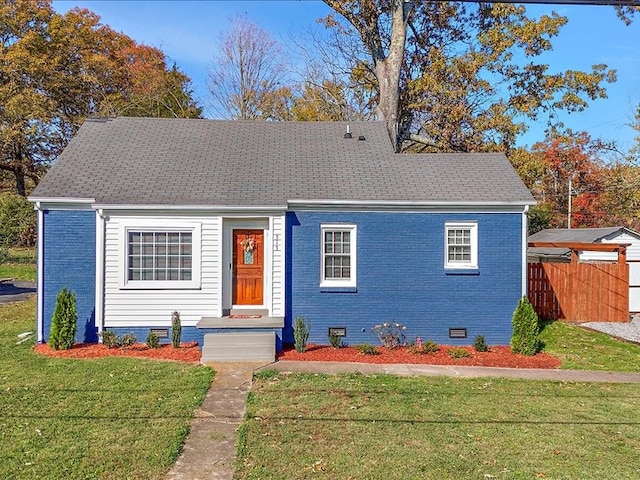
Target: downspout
{"x":40,"y":275}
{"x":99,"y":292}
{"x":525,"y":246}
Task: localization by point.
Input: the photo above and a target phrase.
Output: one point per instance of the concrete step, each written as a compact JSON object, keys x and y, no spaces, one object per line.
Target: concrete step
{"x":239,"y":346}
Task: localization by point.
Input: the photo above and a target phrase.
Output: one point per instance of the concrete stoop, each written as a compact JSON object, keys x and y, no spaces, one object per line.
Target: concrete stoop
{"x":239,"y":347}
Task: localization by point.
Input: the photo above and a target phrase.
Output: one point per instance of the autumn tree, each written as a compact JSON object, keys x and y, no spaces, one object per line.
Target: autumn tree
{"x":457,"y":76}
{"x":55,"y":70}
{"x":561,"y":166}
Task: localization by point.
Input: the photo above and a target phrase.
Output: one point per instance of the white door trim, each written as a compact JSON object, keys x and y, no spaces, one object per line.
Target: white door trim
{"x":230,"y":224}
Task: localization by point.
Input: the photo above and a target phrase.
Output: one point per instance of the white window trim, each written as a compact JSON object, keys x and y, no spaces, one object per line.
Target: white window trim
{"x":473,"y":227}
{"x":155,"y":226}
{"x":351,"y":282}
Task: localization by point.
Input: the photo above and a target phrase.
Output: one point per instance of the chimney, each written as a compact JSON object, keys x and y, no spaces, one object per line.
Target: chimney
{"x":348,"y":134}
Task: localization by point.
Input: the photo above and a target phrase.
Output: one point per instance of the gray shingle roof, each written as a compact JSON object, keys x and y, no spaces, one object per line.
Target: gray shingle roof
{"x":577,"y":235}
{"x":154,"y":161}
{"x":581,"y":235}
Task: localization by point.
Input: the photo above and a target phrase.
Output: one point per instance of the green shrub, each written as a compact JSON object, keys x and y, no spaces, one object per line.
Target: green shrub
{"x":153,"y":341}
{"x":301,"y":330}
{"x":458,"y":352}
{"x":17,"y":221}
{"x":176,"y":329}
{"x":420,"y":347}
{"x":526,"y":329}
{"x":367,"y":349}
{"x":63,"y":324}
{"x":480,"y":344}
{"x":335,"y":340}
{"x":110,"y":339}
{"x":128,"y":339}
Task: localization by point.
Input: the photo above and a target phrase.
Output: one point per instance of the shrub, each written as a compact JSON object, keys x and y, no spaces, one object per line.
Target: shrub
{"x":367,"y":349}
{"x":128,"y":339}
{"x":458,"y":352}
{"x":65,"y":318}
{"x":390,"y":334}
{"x":301,"y":330}
{"x":335,"y":340}
{"x":420,"y":347}
{"x":480,"y":344}
{"x":526,"y":330}
{"x":110,"y":339}
{"x":153,"y":341}
{"x":17,"y":220}
{"x":176,"y":329}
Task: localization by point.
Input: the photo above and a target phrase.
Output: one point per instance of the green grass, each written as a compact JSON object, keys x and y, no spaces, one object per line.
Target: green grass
{"x":21,"y":264}
{"x":581,"y":349}
{"x":107,"y":418}
{"x":384,"y":427}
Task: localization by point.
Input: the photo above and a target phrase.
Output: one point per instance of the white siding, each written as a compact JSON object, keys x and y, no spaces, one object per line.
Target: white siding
{"x":153,"y":307}
{"x":277,"y":266}
{"x":124,"y":307}
{"x":633,"y":251}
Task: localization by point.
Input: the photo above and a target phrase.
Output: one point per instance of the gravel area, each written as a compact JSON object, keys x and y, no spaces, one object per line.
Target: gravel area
{"x":628,"y":331}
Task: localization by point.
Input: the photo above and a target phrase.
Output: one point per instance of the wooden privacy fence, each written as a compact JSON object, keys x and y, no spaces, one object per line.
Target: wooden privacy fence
{"x":581,"y":291}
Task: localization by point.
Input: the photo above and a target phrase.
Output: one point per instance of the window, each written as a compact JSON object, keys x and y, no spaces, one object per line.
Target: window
{"x":461,"y":245}
{"x":338,"y":256}
{"x":161,"y":257}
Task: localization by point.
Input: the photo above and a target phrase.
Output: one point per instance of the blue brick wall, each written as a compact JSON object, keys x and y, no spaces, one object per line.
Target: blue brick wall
{"x":401,"y":277}
{"x":193,"y":334}
{"x":70,"y":261}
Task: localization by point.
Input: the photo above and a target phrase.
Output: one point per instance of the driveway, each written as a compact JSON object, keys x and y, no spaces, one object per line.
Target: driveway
{"x":15,"y":291}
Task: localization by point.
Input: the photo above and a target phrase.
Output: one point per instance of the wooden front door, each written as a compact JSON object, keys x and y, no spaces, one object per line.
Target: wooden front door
{"x":248,"y":267}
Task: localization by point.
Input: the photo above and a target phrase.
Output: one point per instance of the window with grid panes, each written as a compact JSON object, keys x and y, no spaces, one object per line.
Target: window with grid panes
{"x":461,"y":245}
{"x":338,"y":255}
{"x":159,"y":256}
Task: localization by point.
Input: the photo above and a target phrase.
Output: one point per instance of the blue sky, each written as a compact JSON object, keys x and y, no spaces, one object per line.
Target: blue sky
{"x":189,"y":33}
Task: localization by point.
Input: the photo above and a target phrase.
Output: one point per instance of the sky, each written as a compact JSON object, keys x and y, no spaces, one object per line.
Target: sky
{"x":189,"y":33}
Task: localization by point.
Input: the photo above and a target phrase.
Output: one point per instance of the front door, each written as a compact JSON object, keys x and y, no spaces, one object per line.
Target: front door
{"x":248,"y":267}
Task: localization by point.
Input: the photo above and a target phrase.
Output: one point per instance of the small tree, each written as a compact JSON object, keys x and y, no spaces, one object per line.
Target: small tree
{"x":526,"y":330}
{"x":63,"y":324}
{"x":176,"y":329}
{"x":301,"y":330}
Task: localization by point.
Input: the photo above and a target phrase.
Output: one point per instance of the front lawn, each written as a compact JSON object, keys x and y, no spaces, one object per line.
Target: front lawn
{"x":107,"y":418}
{"x":385,"y":427}
{"x":581,"y":349}
{"x":20,"y":264}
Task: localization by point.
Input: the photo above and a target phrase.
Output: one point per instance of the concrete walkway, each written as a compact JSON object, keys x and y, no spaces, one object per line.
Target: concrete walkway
{"x":456,"y":371}
{"x":209,"y":450}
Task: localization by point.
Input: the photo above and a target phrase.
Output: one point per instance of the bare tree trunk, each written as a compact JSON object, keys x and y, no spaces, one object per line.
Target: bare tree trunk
{"x":387,"y":65}
{"x":387,"y":72}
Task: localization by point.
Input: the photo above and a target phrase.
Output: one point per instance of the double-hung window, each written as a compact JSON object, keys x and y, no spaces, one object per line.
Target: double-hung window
{"x":162,"y":257}
{"x":338,"y":257}
{"x":461,"y":245}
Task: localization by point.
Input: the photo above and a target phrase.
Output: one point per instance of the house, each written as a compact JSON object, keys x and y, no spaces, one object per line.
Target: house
{"x":242,"y":226}
{"x":620,"y":235}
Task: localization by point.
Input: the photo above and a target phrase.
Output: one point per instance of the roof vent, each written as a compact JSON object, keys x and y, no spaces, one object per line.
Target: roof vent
{"x":348,"y":134}
{"x":361,"y":138}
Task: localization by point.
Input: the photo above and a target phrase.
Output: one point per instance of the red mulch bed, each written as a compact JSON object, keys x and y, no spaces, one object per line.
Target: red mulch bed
{"x":188,"y":352}
{"x":499,"y":356}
